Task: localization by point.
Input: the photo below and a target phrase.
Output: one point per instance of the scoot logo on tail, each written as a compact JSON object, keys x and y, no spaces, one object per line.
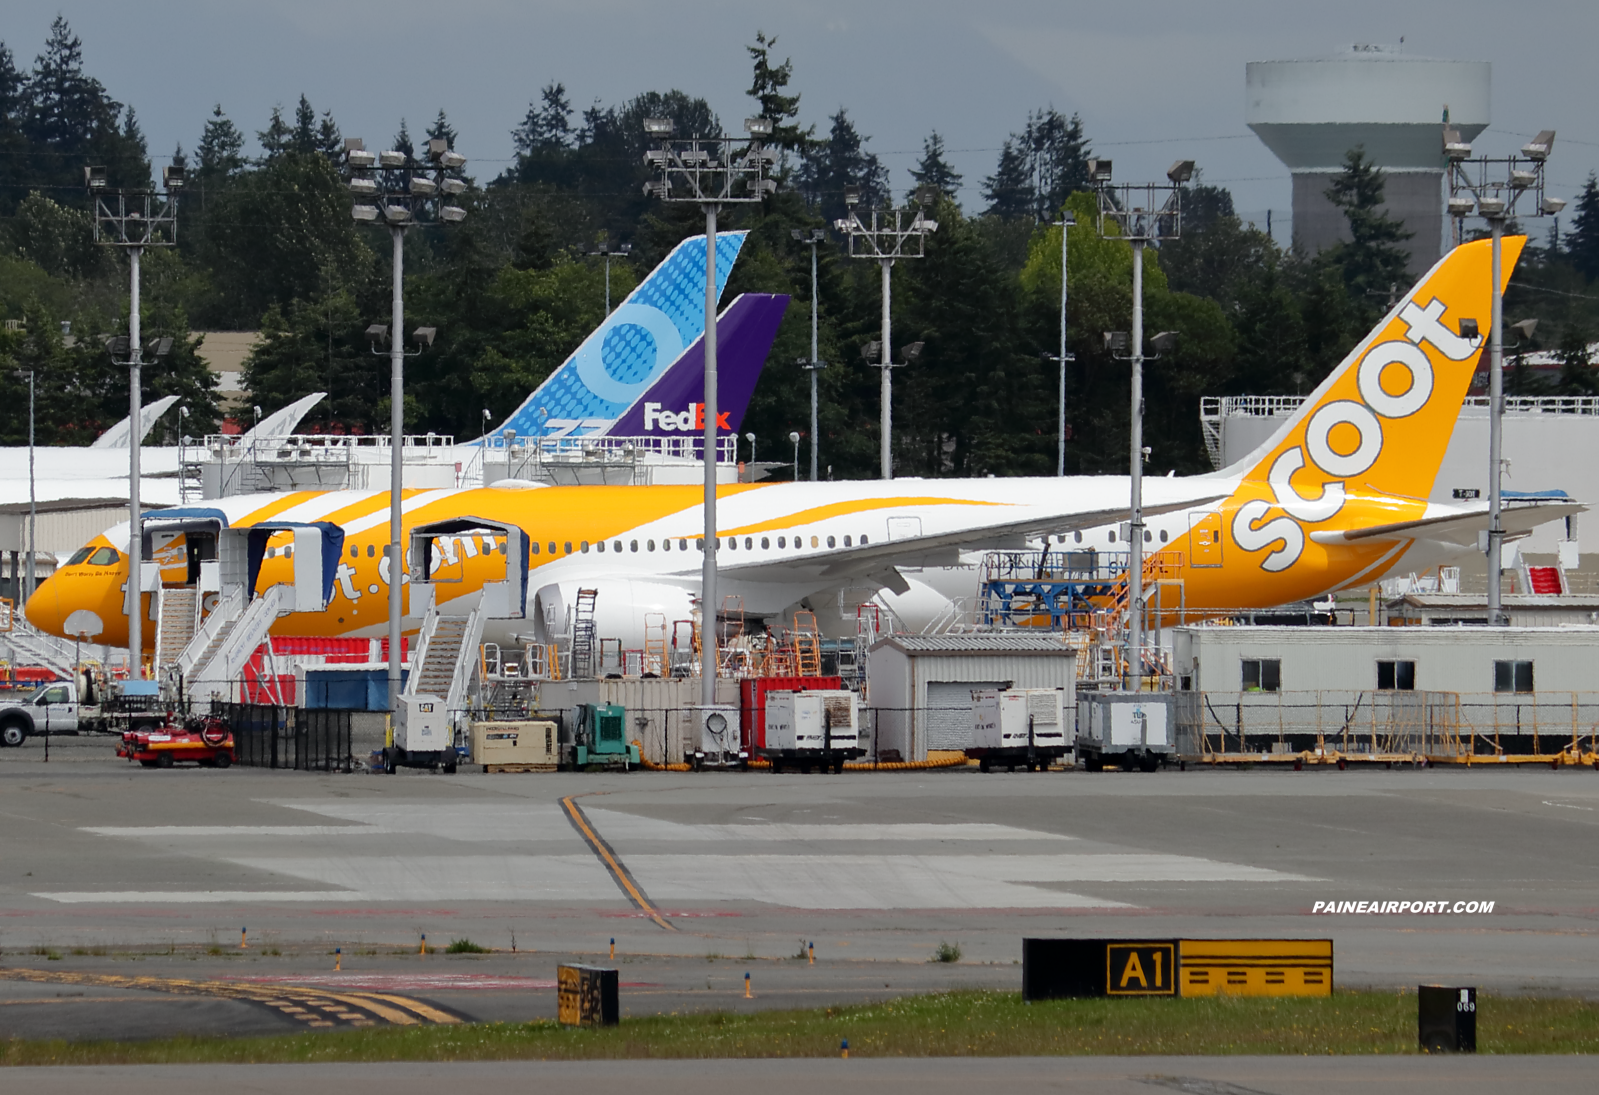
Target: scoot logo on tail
{"x":1396,"y":378}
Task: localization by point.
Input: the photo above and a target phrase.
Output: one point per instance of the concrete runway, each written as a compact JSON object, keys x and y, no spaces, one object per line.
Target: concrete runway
{"x":943,"y":1076}
{"x":876,"y":869}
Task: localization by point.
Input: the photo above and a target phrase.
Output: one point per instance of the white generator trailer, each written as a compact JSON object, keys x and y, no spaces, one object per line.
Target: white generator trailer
{"x":811,"y":730}
{"x":1018,"y":728}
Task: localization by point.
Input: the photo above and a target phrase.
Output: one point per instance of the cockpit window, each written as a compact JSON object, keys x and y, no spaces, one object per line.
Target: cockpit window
{"x":104,"y":557}
{"x":79,"y":556}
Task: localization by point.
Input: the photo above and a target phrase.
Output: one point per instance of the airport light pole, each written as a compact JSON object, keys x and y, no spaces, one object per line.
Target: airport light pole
{"x":1130,"y":211}
{"x":1492,"y":187}
{"x":815,"y":364}
{"x":893,"y":234}
{"x":605,"y":250}
{"x":1063,"y":358}
{"x":392,"y":189}
{"x":710,"y":172}
{"x":133,"y":220}
{"x":795,"y":438}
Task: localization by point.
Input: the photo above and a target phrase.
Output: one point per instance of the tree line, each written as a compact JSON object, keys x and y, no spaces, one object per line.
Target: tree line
{"x":266,"y":242}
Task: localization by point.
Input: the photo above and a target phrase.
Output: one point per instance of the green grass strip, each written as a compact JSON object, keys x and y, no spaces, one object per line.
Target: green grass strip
{"x":958,"y":1024}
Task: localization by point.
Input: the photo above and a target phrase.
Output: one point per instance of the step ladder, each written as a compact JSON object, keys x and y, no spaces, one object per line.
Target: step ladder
{"x":583,"y":634}
{"x":807,"y":645}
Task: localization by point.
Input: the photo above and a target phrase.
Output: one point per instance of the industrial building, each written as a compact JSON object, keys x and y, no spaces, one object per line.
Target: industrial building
{"x":1311,"y":112}
{"x":921,"y":686}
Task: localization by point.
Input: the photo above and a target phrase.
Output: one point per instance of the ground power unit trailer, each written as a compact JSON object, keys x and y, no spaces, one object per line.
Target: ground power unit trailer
{"x":811,"y":730}
{"x":1018,"y":728}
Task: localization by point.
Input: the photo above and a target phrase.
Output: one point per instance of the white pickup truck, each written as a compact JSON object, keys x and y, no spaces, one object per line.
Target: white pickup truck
{"x":54,"y":708}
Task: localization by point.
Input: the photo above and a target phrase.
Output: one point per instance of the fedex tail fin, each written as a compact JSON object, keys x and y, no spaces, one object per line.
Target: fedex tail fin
{"x":1380,"y":422}
{"x":628,"y":352}
{"x":744,"y":334}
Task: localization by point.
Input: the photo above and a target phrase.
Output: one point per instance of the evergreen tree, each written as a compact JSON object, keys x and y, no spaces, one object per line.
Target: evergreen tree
{"x":1582,"y":242}
{"x":402,"y":140}
{"x":328,"y":140}
{"x":13,"y":144}
{"x":442,"y":129}
{"x":547,"y":126}
{"x":1060,"y":150}
{"x":1009,"y":189}
{"x":1372,"y":263}
{"x":934,"y":171}
{"x":841,"y":160}
{"x":221,"y":151}
{"x":69,"y":120}
{"x":277,"y":138}
{"x":766,"y":88}
{"x":304,"y":139}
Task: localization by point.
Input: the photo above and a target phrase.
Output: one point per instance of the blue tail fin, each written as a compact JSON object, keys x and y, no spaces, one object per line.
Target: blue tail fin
{"x":628,"y":352}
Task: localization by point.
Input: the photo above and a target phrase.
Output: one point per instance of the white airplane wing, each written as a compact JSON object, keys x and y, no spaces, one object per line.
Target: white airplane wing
{"x":877,"y":561}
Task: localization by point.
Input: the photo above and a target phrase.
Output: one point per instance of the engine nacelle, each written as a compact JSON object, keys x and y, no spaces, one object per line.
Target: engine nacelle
{"x":620,"y":609}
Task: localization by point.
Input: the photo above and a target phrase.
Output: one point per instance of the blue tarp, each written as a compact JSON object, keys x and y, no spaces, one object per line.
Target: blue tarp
{"x":348,"y":688}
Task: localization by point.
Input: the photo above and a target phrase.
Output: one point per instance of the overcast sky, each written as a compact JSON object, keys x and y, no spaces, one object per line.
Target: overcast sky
{"x":1154,"y":80}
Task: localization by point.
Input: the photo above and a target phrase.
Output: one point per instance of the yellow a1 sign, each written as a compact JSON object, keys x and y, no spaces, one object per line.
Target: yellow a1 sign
{"x":1140,"y":969}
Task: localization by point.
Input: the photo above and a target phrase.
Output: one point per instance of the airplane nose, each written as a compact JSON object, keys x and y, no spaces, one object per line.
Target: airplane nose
{"x":44,"y":609}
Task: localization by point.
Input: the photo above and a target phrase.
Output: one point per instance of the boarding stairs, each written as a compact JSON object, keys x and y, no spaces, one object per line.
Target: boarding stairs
{"x":1544,"y":580}
{"x":218,"y":654}
{"x":177,"y":619}
{"x":30,"y":647}
{"x":448,"y":651}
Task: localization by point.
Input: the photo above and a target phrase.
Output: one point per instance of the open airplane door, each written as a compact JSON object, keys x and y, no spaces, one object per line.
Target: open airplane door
{"x":474,"y":552}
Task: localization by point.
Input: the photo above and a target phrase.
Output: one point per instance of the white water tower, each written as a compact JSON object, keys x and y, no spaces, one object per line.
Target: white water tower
{"x":1310,"y":113}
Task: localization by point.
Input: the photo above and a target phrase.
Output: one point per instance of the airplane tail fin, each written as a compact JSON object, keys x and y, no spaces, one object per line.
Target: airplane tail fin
{"x":635,"y":344}
{"x":744,"y":333}
{"x":1382,"y":419}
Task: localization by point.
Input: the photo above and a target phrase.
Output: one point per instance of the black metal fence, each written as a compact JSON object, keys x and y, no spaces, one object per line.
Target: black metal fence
{"x":267,"y":736}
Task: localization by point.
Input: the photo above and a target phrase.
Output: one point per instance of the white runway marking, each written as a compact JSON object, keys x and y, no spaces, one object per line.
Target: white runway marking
{"x":166,"y":831}
{"x":476,"y":822}
{"x":919,"y":882}
{"x":615,"y":825}
{"x":576,"y":878}
{"x":201,"y":897}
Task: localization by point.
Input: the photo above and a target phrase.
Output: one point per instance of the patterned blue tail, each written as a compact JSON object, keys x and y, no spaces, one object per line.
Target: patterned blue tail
{"x":648,"y":331}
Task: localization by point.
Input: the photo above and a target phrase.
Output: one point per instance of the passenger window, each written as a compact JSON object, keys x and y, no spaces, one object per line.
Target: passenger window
{"x":650,"y":544}
{"x":355,"y":552}
{"x":552,"y":548}
{"x":749,"y":542}
{"x":782,"y":541}
{"x":1148,"y":536}
{"x":732,"y":542}
{"x":846,"y":541}
{"x":765,"y":543}
{"x":569,"y":547}
{"x":1163,"y":536}
{"x":633,"y":545}
{"x":863,"y":541}
{"x":617,"y":546}
{"x":585,"y":546}
{"x":815,"y":542}
{"x":597,"y":547}
{"x":370,"y":551}
{"x":682,"y":545}
{"x":534,"y":547}
{"x":1113,"y":536}
{"x":1078,"y":537}
{"x":831,"y":542}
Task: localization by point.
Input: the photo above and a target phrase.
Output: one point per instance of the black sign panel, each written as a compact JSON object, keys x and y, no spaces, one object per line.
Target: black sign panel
{"x":1140,"y":969}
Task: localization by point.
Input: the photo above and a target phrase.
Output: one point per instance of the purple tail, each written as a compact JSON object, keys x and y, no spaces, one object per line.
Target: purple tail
{"x":744,"y":334}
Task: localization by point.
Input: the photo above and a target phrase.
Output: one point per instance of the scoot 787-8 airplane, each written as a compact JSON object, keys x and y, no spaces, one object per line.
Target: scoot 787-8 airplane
{"x":1337,"y":498}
